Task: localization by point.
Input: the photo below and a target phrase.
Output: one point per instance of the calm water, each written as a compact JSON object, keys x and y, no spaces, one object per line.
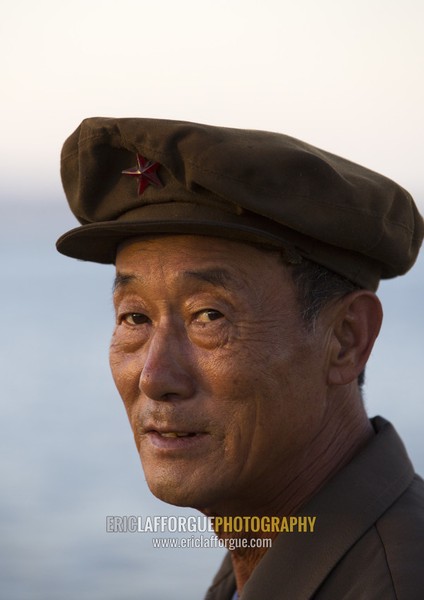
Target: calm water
{"x":67,"y":456}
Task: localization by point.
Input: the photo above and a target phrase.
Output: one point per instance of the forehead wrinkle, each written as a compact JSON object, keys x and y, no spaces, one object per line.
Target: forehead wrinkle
{"x":216,"y":277}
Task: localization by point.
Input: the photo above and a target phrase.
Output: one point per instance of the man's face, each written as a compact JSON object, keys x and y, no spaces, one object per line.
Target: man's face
{"x":223,"y":386}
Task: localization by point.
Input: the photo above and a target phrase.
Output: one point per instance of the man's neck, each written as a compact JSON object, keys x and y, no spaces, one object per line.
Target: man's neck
{"x":338,"y":442}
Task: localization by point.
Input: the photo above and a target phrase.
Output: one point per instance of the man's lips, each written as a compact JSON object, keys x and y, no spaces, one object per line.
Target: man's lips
{"x":172,"y":430}
{"x":169,"y":438}
{"x":175,"y":434}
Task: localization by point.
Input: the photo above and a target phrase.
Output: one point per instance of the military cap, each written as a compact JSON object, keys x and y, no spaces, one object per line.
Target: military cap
{"x":130,"y":177}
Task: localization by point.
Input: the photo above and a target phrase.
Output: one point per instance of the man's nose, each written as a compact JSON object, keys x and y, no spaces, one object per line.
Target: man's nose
{"x":167,"y":371}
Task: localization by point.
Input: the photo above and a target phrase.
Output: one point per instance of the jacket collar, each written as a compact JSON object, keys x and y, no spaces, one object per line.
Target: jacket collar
{"x":345,"y":508}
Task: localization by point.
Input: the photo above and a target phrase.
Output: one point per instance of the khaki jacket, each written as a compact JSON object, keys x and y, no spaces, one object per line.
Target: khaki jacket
{"x":368,"y":540}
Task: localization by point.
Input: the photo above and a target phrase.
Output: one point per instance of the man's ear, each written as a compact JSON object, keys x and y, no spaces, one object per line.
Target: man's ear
{"x":355,"y":326}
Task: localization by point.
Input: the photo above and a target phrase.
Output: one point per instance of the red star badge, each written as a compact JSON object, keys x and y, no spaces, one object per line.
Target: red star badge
{"x":146,"y":172}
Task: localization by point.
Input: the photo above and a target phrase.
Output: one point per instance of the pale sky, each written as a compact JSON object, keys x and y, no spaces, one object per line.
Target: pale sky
{"x":347,"y":76}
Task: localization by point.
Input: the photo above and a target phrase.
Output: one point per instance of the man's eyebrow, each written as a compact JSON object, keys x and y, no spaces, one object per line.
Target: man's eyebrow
{"x":121,"y":280}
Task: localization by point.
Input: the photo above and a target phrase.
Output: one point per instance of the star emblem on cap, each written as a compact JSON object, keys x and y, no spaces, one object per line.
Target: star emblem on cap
{"x":146,"y":172}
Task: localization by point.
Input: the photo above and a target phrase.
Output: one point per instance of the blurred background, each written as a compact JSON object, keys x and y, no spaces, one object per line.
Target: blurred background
{"x":345,"y":76}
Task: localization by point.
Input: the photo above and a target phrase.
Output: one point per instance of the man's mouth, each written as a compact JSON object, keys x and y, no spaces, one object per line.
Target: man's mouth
{"x":175,"y":440}
{"x":175,"y":434}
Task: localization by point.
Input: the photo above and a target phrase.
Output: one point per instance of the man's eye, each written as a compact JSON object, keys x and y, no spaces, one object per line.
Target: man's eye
{"x":135,"y":319}
{"x":208,"y":315}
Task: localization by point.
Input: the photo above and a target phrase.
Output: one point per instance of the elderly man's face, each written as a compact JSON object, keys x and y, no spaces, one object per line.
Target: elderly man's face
{"x":223,"y":386}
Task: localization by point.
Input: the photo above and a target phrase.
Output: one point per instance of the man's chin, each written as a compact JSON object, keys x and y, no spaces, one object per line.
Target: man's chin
{"x":175,"y":495}
{"x":180,"y":494}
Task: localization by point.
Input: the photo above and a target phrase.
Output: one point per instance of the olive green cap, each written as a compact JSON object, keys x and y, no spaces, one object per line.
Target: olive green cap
{"x":127,"y":178}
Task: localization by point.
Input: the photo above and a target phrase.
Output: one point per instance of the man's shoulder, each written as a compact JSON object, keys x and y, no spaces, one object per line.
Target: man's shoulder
{"x":386,"y":562}
{"x":406,"y":514}
{"x":401,"y":531}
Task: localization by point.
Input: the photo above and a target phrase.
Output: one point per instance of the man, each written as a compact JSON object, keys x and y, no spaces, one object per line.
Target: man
{"x":246,"y":270}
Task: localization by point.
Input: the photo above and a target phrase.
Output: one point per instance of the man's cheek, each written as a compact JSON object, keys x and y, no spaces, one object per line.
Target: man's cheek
{"x":126,"y":371}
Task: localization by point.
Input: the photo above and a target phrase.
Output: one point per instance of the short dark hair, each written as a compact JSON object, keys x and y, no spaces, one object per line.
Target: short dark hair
{"x":316,"y":286}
